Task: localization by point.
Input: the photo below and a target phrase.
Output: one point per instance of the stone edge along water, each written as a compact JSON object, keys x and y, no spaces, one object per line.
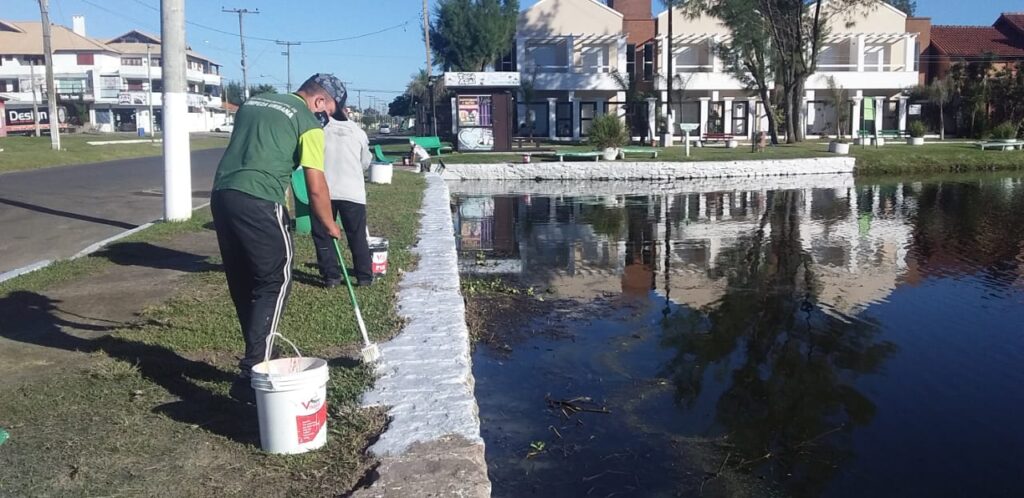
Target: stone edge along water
{"x":624,"y":170}
{"x":432,"y":445}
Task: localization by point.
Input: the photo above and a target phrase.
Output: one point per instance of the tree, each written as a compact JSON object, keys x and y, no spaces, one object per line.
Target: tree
{"x":467,"y":35}
{"x":233,"y":91}
{"x":403,"y":105}
{"x":837,"y":95}
{"x":940,"y":92}
{"x":262,"y":88}
{"x":748,"y":55}
{"x":907,"y":6}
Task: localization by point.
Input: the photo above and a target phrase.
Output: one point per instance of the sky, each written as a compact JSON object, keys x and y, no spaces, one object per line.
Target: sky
{"x":386,"y":45}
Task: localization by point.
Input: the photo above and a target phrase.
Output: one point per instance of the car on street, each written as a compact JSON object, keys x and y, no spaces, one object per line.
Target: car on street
{"x":224,"y":128}
{"x":384,"y":129}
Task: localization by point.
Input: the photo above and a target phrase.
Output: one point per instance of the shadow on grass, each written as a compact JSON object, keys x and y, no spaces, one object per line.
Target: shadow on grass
{"x":144,"y":254}
{"x":67,"y":214}
{"x":39,"y":320}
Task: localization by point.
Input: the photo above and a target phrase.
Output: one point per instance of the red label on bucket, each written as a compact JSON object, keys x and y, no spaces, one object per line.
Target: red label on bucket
{"x":379,"y":264}
{"x":308,"y":426}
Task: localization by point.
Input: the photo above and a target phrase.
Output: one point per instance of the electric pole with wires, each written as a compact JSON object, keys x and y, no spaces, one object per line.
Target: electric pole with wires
{"x":288,"y":54}
{"x":241,"y":37}
{"x":51,"y":88}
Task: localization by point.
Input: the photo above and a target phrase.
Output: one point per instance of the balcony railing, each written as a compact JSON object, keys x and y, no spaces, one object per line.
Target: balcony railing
{"x":568,"y":69}
{"x":872,"y":68}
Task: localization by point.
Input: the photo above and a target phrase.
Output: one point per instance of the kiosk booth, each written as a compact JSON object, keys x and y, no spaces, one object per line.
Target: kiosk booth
{"x":482,"y":110}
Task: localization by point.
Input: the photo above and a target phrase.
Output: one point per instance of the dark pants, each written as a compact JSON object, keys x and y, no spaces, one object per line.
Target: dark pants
{"x":257,"y":251}
{"x":353,"y":220}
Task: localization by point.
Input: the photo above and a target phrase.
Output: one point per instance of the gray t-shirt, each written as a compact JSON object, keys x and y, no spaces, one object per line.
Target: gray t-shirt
{"x":346,"y":158}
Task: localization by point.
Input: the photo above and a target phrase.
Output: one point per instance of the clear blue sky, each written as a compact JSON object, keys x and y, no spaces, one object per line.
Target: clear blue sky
{"x":380,"y":63}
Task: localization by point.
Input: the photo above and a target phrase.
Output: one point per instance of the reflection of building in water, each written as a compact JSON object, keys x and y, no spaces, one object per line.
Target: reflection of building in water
{"x":582,"y":246}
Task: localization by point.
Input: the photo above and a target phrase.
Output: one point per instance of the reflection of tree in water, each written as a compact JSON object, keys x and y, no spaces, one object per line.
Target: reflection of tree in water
{"x":789,"y":407}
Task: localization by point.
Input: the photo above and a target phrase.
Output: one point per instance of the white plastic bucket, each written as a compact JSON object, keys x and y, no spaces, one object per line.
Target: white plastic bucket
{"x":380,"y":173}
{"x":291,"y":400}
{"x":378,"y":255}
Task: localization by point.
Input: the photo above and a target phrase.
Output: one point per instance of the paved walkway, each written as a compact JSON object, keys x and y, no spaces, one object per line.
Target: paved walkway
{"x":55,"y":212}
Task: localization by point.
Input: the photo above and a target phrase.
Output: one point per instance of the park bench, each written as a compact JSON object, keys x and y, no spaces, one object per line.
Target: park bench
{"x":1000,"y":145}
{"x":378,"y":154}
{"x":596,"y":156}
{"x":519,"y":141}
{"x":641,"y":150}
{"x":718,"y":137}
{"x":431,"y":144}
{"x":882,"y":133}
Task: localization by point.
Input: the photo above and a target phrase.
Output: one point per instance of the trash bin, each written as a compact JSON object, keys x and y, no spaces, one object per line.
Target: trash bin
{"x":302,"y":221}
{"x":142,"y":132}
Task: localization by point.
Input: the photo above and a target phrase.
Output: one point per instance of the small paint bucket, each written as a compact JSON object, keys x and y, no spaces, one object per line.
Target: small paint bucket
{"x":378,"y":255}
{"x":291,"y":403}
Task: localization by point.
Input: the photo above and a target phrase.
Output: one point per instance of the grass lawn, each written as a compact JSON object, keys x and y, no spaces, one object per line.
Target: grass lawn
{"x":893,"y":158}
{"x":151,"y":416}
{"x":21,"y":153}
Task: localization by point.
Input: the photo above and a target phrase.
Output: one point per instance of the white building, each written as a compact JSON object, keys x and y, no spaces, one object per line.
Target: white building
{"x":571,"y":52}
{"x":578,"y":53}
{"x":101,"y":82}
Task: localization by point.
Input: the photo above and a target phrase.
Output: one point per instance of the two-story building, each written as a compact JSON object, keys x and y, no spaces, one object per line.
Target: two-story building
{"x":124,"y":93}
{"x":580,"y":58}
{"x":104,"y":83}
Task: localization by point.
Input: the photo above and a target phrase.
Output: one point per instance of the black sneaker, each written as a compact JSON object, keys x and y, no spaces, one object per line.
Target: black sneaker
{"x":241,"y":391}
{"x":331,"y":283}
{"x":364,"y":282}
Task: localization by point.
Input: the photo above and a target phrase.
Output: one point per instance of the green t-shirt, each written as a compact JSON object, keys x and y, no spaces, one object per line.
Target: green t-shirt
{"x":273,"y":135}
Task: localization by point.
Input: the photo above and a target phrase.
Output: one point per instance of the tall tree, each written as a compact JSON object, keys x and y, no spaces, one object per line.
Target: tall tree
{"x":940,"y":92}
{"x":467,"y":35}
{"x":403,"y":105}
{"x":233,"y":91}
{"x":907,"y":6}
{"x":748,"y":55}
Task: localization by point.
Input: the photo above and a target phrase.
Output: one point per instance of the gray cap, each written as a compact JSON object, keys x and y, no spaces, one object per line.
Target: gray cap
{"x":333,"y":86}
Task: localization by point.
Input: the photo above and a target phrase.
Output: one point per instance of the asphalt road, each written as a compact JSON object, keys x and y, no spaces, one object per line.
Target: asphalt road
{"x":55,"y":212}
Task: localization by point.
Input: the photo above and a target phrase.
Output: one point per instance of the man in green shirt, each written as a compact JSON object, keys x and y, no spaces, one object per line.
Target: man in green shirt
{"x":273,"y":135}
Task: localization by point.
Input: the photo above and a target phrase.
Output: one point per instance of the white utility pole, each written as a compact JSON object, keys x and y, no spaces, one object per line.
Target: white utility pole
{"x":430,"y":66}
{"x":288,"y":54}
{"x":51,"y":88}
{"x":149,"y":98}
{"x":35,"y":103}
{"x":241,"y":38}
{"x":177,"y":158}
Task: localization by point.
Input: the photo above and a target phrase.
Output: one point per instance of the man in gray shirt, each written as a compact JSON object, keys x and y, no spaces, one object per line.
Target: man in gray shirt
{"x":346,"y":158}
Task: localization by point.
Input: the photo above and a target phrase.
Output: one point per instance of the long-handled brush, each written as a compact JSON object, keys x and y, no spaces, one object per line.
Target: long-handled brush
{"x":370,"y":352}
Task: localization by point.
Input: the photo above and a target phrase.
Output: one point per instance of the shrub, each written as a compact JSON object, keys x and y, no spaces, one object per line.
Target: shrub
{"x":916,"y":129}
{"x":608,"y":132}
{"x":1004,"y":131}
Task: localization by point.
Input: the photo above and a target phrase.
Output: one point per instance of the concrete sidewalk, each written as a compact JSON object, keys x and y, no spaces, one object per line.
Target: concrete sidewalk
{"x":53,"y":213}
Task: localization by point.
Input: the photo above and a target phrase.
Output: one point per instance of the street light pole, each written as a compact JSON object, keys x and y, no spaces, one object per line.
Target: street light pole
{"x":177,"y":161}
{"x":51,"y":88}
{"x":35,"y":103}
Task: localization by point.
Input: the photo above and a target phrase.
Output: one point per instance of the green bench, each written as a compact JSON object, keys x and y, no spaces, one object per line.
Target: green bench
{"x":431,"y":144}
{"x":378,"y":154}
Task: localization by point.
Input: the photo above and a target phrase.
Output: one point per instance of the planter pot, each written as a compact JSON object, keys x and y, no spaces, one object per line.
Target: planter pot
{"x":860,"y":141}
{"x":831,"y":146}
{"x":732,"y":144}
{"x":667,"y":140}
{"x":915,"y":141}
{"x":610,"y":154}
{"x":839,"y":148}
{"x":879,"y":142}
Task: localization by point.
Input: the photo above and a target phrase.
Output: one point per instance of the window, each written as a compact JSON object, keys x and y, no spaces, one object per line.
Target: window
{"x":9,"y":85}
{"x":136,"y":85}
{"x":85,"y":59}
{"x":648,"y":61}
{"x":155,"y":61}
{"x":131,"y":61}
{"x":631,"y":60}
{"x":33,"y":60}
{"x":508,"y":62}
{"x":595,"y":58}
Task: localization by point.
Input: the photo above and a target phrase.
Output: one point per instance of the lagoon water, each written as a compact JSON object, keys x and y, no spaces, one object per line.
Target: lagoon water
{"x":803,"y":337}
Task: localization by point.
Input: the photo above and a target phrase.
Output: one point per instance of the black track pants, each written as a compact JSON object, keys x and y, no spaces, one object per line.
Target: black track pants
{"x":353,"y":218}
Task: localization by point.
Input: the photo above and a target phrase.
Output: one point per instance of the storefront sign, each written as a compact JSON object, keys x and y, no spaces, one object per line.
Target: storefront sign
{"x":914,"y":109}
{"x":22,"y":119}
{"x":478,"y":139}
{"x":474,"y":110}
{"x":481,"y":80}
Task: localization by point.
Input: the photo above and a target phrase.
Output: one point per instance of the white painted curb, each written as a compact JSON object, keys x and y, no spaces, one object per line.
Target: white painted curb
{"x":654,"y":170}
{"x":425,"y":376}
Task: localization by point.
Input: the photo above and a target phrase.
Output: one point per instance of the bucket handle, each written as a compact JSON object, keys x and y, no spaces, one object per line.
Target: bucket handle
{"x":270,"y":348}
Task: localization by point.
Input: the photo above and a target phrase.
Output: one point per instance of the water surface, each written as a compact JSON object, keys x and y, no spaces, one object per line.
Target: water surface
{"x":815,"y":339}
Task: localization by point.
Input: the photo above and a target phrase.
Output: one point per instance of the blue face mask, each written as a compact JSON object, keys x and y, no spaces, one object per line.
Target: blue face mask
{"x":323,"y":118}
